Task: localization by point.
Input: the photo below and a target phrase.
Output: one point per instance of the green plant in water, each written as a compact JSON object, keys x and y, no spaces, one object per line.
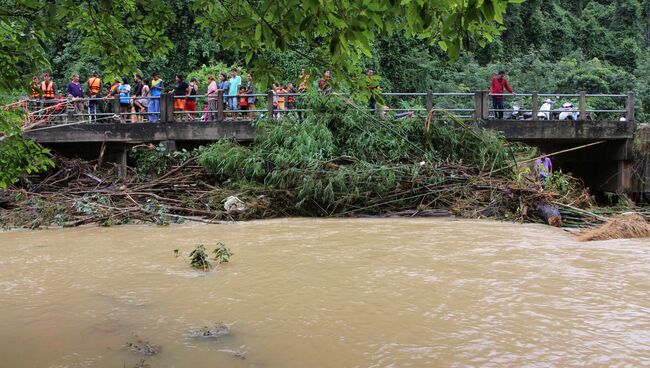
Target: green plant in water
{"x":199,"y":259}
{"x":221,"y":253}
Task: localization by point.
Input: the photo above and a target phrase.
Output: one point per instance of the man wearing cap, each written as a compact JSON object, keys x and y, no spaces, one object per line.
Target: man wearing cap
{"x":94,"y":87}
{"x":497,"y":86}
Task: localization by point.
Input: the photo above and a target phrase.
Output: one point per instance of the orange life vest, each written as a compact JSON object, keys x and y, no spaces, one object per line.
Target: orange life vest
{"x":113,"y":88}
{"x":35,"y":90}
{"x":48,"y":90}
{"x":94,"y":84}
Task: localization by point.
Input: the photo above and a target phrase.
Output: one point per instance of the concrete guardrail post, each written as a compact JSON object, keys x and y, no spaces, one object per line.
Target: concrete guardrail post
{"x":220,"y":114}
{"x":429,"y":102}
{"x":163,"y":117}
{"x":485,"y":105}
{"x":629,"y":106}
{"x":534,"y":102}
{"x":582,"y":106}
{"x":269,"y":103}
{"x":116,"y":105}
{"x":478,"y":105}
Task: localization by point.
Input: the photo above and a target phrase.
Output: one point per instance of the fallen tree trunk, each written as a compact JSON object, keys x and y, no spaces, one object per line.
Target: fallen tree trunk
{"x":550,"y":214}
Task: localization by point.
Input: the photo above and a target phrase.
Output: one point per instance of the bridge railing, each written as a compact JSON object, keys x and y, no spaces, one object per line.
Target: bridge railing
{"x":477,"y":105}
{"x":551,"y":106}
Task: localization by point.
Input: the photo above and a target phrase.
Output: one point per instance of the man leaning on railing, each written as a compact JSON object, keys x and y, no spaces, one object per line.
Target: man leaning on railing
{"x":499,"y":82}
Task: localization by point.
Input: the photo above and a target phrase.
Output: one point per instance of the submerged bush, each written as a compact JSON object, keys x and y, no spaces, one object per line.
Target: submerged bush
{"x":199,"y":258}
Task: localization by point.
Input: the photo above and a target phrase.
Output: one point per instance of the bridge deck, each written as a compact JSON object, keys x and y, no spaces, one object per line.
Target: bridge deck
{"x":242,"y":130}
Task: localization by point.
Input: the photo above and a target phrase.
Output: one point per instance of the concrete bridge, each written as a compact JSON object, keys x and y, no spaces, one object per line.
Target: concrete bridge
{"x":604,"y":160}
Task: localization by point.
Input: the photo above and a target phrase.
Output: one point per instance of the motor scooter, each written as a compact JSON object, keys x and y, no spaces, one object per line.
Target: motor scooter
{"x":515,"y":114}
{"x":546,"y":110}
{"x":568,"y":112}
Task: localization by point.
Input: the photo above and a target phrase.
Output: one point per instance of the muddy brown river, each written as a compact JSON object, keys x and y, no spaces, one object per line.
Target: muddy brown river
{"x":326,"y":293}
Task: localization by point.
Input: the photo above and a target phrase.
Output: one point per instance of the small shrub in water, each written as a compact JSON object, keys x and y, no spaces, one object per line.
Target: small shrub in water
{"x":221,"y":253}
{"x":199,"y":257}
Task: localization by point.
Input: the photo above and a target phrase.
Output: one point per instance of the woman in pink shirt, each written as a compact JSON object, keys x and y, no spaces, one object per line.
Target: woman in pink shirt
{"x":212,"y":98}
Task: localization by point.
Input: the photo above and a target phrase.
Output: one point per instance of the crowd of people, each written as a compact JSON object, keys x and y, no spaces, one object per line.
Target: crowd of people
{"x":140,"y":102}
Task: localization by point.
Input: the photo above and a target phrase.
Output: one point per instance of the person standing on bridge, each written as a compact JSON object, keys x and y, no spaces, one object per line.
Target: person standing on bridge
{"x":141,"y":102}
{"x":374,"y":88}
{"x":36,"y":90}
{"x":48,"y":88}
{"x":497,"y":86}
{"x":34,"y":95}
{"x":190,"y":103}
{"x":222,"y":87}
{"x":325,"y":83}
{"x":179,"y":92}
{"x":125,"y":99}
{"x":157,"y":86}
{"x":233,"y":90}
{"x":303,"y":81}
{"x":250,"y":90}
{"x":94,"y":87}
{"x":212,"y":94}
{"x":48,"y":93}
{"x":74,"y":91}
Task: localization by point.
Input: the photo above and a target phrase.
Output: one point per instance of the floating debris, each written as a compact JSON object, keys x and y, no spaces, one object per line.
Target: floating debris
{"x":215,"y":331}
{"x":143,"y":347}
{"x":142,"y":364}
{"x":235,"y":353}
{"x":626,"y":226}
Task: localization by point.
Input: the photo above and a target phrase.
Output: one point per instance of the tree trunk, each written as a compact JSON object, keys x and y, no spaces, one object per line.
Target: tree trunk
{"x":550,"y":214}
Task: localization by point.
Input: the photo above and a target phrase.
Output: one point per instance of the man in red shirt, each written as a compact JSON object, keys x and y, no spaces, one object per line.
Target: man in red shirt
{"x":499,"y":83}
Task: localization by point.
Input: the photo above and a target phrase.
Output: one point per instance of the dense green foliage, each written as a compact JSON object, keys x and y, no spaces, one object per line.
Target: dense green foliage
{"x":17,"y":155}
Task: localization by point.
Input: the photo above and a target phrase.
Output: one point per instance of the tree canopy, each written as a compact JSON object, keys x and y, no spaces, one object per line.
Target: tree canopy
{"x":122,"y":35}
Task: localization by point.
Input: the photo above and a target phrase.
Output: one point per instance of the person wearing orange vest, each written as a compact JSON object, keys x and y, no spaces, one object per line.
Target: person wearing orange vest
{"x":48,"y":89}
{"x":36,"y":90}
{"x":48,"y":93}
{"x":113,"y":90}
{"x":32,"y":103}
{"x":94,"y":87}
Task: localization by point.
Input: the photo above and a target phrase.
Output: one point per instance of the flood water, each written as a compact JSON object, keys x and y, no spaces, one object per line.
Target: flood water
{"x":326,"y":293}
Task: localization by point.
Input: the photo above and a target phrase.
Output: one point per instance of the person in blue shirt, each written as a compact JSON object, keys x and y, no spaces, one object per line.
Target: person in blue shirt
{"x":233,"y":91}
{"x":157,"y":85}
{"x":125,"y":99}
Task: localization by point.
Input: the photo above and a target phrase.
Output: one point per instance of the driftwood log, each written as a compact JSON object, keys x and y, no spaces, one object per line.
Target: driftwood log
{"x":550,"y":214}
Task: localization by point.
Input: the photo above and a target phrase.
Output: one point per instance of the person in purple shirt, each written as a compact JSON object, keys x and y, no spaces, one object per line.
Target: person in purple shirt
{"x":75,"y":92}
{"x":543,"y":167}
